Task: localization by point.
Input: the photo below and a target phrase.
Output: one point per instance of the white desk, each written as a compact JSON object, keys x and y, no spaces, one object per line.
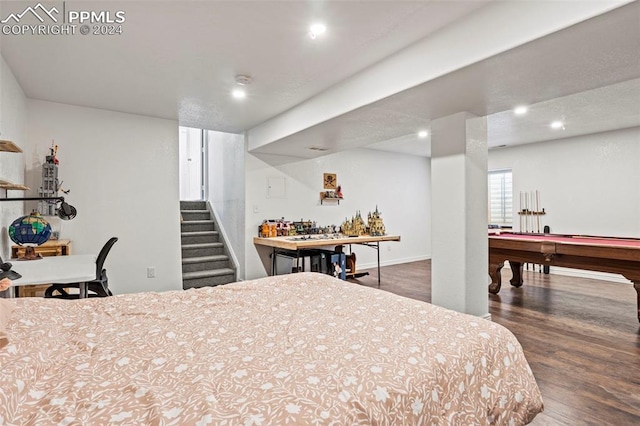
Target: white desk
{"x":75,"y":268}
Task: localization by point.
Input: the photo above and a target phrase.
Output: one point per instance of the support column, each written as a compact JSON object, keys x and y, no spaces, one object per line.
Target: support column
{"x":459,"y":214}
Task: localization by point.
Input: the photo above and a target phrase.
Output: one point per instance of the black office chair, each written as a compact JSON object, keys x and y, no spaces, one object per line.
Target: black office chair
{"x":95,"y":288}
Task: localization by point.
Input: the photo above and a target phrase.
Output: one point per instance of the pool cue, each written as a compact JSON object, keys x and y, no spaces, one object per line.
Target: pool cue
{"x":526,"y":211}
{"x":529,"y":210}
{"x":520,"y":211}
{"x":535,"y":209}
{"x":538,"y":208}
{"x":526,"y":219}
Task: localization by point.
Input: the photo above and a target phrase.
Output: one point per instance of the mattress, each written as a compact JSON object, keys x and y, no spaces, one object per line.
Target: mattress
{"x":298,"y":349}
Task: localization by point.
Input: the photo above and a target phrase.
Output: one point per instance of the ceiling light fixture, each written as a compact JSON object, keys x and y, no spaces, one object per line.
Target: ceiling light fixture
{"x":423,"y":134}
{"x":557,"y":125}
{"x":239,"y":94}
{"x":521,"y":110}
{"x":315,"y":30}
{"x":243,"y":80}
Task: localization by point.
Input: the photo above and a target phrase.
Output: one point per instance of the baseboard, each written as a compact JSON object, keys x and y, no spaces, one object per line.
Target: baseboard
{"x":392,"y":262}
{"x":487,"y":317}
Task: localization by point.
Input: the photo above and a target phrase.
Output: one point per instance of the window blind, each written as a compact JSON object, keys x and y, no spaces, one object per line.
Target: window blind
{"x":500,"y":197}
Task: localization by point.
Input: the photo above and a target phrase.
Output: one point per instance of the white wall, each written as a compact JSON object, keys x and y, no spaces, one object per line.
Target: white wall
{"x":588,"y":184}
{"x":225,"y":170}
{"x":13,"y":127}
{"x":122,"y":170}
{"x":398,"y":184}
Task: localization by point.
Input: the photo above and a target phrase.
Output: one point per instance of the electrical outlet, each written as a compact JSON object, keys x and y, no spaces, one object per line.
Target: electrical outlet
{"x":151,"y":272}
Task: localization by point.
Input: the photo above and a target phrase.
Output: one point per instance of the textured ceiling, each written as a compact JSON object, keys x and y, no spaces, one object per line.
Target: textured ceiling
{"x":178,"y":59}
{"x":586,"y":75}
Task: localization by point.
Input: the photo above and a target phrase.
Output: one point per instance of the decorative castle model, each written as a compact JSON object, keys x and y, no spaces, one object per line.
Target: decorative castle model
{"x":376,"y":226}
{"x":355,"y":226}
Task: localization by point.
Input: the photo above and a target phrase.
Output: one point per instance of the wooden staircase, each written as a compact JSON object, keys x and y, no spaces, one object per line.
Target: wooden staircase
{"x":205,"y":258}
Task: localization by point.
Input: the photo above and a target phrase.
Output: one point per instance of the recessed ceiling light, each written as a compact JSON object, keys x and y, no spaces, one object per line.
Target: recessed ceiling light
{"x":316,"y":29}
{"x":557,"y":125}
{"x":239,"y":94}
{"x":521,"y":110}
{"x":423,"y":134}
{"x":243,"y":80}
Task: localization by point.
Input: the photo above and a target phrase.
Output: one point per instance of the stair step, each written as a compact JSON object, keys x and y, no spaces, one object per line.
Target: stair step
{"x":193,"y":205}
{"x":208,"y":278}
{"x":202,"y":249}
{"x":197,"y":225}
{"x":204,"y":263}
{"x":196,"y":233}
{"x":205,"y":258}
{"x":209,"y":273}
{"x":202,"y":245}
{"x":196,"y":237}
{"x":191,"y":215}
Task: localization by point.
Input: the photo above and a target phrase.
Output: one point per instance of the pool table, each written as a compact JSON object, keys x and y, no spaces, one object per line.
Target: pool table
{"x":604,"y":254}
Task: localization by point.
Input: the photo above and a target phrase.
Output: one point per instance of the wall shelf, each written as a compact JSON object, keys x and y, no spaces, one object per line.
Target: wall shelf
{"x":14,"y":186}
{"x":532,"y":213}
{"x":8,"y":146}
{"x":324,"y":198}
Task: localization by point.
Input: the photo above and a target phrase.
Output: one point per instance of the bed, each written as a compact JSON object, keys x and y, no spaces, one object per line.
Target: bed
{"x":298,"y":349}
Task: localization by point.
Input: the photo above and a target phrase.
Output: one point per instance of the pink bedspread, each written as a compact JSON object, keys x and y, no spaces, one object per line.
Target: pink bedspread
{"x":296,"y":349}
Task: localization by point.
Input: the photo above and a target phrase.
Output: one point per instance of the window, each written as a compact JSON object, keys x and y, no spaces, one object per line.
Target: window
{"x":500,"y":197}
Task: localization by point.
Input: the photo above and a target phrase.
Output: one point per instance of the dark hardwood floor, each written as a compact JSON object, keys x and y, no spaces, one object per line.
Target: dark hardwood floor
{"x":580,"y":336}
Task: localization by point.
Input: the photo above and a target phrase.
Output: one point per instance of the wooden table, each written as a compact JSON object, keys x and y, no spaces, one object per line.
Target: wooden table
{"x":603,"y":254}
{"x":50,"y":248}
{"x":297,"y":243}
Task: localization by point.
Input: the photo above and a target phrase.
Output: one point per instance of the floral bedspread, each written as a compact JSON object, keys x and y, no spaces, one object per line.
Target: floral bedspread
{"x":299,"y":349}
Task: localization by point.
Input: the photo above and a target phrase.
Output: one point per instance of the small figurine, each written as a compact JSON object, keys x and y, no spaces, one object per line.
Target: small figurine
{"x":337,"y":270}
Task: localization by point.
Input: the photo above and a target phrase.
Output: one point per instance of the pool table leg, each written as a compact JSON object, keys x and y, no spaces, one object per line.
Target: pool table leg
{"x":636,"y":285}
{"x":496,"y":279}
{"x":516,"y":271}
